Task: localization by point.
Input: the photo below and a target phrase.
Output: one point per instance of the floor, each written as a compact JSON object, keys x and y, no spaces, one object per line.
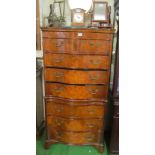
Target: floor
{"x":61,"y":149}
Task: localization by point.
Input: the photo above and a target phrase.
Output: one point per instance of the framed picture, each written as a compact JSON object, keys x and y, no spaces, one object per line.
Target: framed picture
{"x":100,"y":12}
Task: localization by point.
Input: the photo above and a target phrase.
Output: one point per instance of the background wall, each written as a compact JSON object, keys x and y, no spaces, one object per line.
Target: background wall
{"x":44,"y":10}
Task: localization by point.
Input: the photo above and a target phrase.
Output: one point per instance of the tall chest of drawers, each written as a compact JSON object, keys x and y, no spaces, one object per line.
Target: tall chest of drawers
{"x":76,"y":78}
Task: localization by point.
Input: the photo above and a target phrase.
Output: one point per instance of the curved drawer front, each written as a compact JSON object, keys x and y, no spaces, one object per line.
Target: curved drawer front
{"x":57,"y":45}
{"x":76,"y":76}
{"x":78,"y":111}
{"x":76,"y":91}
{"x":93,"y":47}
{"x":77,"y":61}
{"x":74,"y":124}
{"x":74,"y":137}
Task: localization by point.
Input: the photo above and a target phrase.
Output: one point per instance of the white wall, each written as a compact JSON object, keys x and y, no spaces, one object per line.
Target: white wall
{"x":45,"y":10}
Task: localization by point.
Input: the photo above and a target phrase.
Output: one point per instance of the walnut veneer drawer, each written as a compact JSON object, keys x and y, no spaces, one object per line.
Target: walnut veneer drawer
{"x":88,"y":35}
{"x":76,"y":91}
{"x":58,"y":45}
{"x":77,"y":61}
{"x":73,"y":137}
{"x":76,"y":76}
{"x":58,"y":34}
{"x":68,"y":124}
{"x":68,"y":101}
{"x":93,"y":47}
{"x":77,"y":46}
{"x":77,"y":34}
{"x":74,"y":111}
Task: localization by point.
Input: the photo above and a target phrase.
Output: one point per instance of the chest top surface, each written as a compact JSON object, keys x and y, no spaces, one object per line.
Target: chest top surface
{"x":50,"y":29}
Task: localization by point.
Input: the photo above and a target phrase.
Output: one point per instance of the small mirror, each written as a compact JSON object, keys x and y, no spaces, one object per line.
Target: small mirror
{"x":100,"y":12}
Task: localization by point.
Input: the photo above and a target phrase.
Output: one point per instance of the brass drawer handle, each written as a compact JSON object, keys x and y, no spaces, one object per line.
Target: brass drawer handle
{"x":58,"y":122}
{"x":59,"y":44}
{"x":58,"y":59}
{"x":98,"y":44}
{"x":93,"y":91}
{"x":59,"y":74}
{"x":59,"y":134}
{"x":90,"y":139}
{"x":58,"y":89}
{"x":60,"y":109}
{"x":90,"y":125}
{"x":91,"y":44}
{"x":91,"y":111}
{"x":95,"y":62}
{"x":93,"y":77}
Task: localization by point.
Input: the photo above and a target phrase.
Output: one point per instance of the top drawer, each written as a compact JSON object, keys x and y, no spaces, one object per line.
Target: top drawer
{"x":78,"y":34}
{"x":87,"y":35}
{"x":58,"y":34}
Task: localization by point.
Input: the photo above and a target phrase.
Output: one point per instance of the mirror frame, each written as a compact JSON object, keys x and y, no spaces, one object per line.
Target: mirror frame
{"x":106,"y":12}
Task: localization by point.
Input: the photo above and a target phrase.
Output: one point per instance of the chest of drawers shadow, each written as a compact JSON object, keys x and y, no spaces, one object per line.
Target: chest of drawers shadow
{"x":76,"y":78}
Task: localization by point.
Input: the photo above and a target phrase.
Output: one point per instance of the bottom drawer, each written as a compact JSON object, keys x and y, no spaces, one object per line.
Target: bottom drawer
{"x":68,"y":124}
{"x":76,"y":138}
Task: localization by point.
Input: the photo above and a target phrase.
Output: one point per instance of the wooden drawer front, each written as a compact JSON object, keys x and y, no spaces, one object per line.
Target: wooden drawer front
{"x":75,"y":124}
{"x":93,"y":47}
{"x":76,"y":91}
{"x":57,"y":45}
{"x":58,"y":34}
{"x":76,"y":76}
{"x":83,"y":35}
{"x":64,"y":110}
{"x":77,"y":61}
{"x":74,"y":137}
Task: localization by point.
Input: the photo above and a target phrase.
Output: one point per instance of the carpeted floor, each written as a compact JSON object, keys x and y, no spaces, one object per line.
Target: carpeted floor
{"x":61,"y":149}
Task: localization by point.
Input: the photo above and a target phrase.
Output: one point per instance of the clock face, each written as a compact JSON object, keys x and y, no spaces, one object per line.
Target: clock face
{"x":78,"y":18}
